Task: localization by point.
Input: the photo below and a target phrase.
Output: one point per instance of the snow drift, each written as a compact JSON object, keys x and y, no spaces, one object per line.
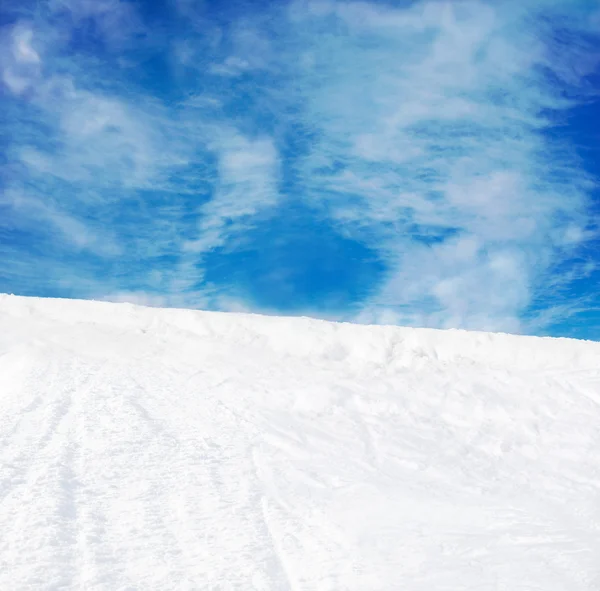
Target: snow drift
{"x":169,"y":449}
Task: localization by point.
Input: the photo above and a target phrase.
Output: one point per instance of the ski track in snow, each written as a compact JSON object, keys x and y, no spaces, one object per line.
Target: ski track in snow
{"x":169,"y":449}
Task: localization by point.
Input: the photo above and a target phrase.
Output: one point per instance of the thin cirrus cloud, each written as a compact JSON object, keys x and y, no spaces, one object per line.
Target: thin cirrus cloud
{"x":351,"y":160}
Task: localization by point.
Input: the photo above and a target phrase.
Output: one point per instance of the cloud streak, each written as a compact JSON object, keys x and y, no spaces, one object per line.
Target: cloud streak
{"x":446,"y":153}
{"x":428,"y":134}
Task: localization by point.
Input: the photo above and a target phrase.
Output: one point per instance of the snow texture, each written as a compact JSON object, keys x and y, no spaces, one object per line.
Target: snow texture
{"x":169,"y":449}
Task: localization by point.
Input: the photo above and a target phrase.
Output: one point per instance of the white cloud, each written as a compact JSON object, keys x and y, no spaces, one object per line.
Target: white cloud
{"x":48,"y":217}
{"x":445,"y":135}
{"x":232,"y":66}
{"x":19,"y":61}
{"x":248,"y":175}
{"x":22,"y":48}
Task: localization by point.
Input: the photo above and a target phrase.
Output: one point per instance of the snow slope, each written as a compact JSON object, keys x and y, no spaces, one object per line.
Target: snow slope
{"x":168,"y":449}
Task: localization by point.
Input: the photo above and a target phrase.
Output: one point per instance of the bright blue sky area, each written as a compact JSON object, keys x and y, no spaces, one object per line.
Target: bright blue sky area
{"x":421,"y":163}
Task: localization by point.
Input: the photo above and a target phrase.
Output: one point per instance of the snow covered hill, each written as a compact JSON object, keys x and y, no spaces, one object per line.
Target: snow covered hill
{"x":150,"y":449}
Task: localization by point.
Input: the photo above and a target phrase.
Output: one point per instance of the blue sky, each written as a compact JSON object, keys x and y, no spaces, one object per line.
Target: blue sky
{"x":419,"y":163}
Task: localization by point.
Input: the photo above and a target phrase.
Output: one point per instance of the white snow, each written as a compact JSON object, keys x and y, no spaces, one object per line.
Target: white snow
{"x":150,"y":449}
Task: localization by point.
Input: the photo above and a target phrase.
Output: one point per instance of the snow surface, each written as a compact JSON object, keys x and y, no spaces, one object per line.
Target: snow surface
{"x":171,"y":449}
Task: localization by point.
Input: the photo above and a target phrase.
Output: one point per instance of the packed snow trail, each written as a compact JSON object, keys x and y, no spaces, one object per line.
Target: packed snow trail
{"x":147,"y":449}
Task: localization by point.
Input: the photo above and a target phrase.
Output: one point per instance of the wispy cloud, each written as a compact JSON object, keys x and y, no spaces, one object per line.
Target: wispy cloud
{"x":20,"y":61}
{"x":46,"y":218}
{"x":446,"y":153}
{"x":145,"y":145}
{"x":247,"y":183}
